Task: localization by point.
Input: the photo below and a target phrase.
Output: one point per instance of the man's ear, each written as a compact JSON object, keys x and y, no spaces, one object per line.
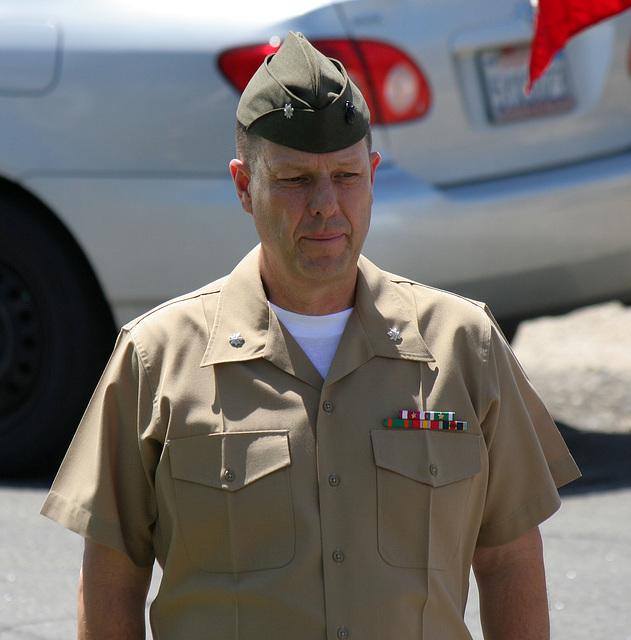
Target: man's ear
{"x":241,"y":176}
{"x":375,"y":159}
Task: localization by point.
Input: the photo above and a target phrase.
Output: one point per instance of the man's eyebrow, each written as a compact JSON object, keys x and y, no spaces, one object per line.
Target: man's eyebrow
{"x":275,"y":165}
{"x":296,"y":165}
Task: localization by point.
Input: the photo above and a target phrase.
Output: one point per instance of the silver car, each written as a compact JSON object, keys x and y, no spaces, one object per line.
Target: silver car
{"x":117,"y":126}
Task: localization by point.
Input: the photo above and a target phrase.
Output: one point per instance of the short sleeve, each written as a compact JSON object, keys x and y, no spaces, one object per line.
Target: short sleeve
{"x":104,"y":489}
{"x":528,"y":459}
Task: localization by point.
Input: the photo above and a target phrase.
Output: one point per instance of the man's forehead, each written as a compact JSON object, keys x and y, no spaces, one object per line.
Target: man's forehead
{"x":275,"y":155}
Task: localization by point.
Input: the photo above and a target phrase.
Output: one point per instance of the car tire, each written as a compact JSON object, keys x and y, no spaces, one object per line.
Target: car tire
{"x":56,"y":333}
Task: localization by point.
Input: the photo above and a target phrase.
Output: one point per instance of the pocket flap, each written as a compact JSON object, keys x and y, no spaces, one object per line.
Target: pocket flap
{"x":229,"y":460}
{"x":435,"y":458}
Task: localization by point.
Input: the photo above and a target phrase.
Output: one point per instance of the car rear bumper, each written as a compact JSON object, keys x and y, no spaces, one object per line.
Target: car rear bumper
{"x":527,"y":245}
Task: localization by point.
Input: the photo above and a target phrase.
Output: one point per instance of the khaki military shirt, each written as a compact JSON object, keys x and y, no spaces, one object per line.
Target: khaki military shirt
{"x":277,"y":503}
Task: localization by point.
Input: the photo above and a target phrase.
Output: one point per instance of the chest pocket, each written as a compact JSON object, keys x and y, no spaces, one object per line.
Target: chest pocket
{"x":233,"y":500}
{"x":423,"y":484}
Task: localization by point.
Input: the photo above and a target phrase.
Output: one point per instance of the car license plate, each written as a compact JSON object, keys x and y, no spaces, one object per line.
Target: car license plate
{"x":504,"y":78}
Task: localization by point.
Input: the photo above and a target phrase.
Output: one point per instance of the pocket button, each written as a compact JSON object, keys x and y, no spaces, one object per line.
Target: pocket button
{"x":229,"y":475}
{"x":433,"y":469}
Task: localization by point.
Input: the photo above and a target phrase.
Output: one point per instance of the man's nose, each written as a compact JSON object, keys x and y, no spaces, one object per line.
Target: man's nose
{"x":323,"y":198}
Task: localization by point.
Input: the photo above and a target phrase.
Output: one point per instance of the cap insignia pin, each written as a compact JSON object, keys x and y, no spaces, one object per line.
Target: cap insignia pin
{"x":350,"y":112}
{"x":236,"y":340}
{"x":394,"y":334}
{"x":288,"y":111}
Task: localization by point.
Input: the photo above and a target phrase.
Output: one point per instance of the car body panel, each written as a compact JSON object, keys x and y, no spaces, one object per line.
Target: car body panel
{"x":456,"y":143}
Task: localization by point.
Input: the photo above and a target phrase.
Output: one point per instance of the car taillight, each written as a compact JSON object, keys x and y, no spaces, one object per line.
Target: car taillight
{"x":239,"y":65}
{"x":395,"y":89}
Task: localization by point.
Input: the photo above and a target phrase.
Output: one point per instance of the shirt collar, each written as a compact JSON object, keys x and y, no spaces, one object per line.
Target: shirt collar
{"x":242,"y":313}
{"x":388,"y":315}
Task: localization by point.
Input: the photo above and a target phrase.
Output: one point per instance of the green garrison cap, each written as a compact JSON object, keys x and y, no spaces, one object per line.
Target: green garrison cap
{"x":301,"y":99}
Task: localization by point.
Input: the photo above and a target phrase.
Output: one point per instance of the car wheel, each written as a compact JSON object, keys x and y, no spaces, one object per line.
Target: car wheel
{"x":56,"y":332}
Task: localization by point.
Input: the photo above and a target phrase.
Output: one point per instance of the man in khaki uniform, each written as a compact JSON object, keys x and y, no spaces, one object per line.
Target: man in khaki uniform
{"x":239,"y":434}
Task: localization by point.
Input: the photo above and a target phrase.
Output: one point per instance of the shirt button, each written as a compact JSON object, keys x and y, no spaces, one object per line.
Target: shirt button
{"x":327,"y":405}
{"x":338,"y":556}
{"x":342,"y":633}
{"x":228,"y":475}
{"x":334,"y":480}
{"x":433,"y":469}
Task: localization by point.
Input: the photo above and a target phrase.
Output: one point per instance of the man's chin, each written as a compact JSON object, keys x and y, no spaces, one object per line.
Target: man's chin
{"x":328,"y":268}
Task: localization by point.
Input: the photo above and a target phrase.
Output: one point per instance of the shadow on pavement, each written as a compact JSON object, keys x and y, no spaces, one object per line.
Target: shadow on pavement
{"x":603,"y":458}
{"x":40,"y":482}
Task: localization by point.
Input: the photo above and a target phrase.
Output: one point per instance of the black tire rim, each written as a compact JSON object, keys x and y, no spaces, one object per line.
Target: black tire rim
{"x":21,"y":342}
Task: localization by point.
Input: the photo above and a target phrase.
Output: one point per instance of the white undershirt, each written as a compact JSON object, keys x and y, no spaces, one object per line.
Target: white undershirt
{"x":318,"y":336}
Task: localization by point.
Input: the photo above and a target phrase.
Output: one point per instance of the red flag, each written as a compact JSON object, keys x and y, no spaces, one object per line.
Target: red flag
{"x":558,"y":20}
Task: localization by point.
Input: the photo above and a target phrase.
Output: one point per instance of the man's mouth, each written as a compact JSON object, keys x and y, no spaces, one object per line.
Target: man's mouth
{"x":324,"y":237}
